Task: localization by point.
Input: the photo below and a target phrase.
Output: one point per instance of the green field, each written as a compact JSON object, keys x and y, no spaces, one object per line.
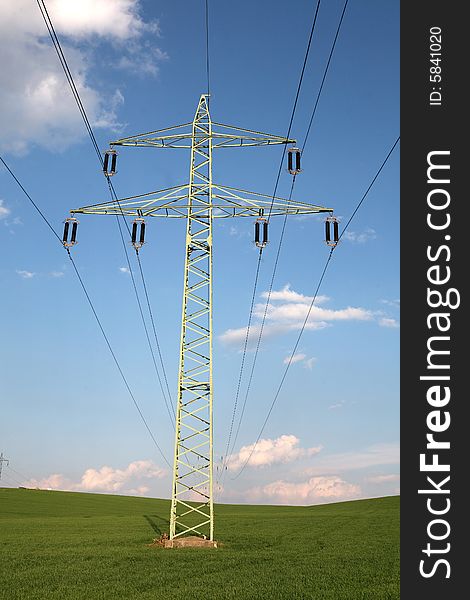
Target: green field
{"x":63,"y":545}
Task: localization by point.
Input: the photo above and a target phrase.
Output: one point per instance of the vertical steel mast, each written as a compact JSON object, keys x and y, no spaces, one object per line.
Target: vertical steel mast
{"x":199,"y":202}
{"x":192,"y":470}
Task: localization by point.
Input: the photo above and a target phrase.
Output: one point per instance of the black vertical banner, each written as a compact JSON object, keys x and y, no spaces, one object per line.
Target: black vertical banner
{"x":434,"y":265}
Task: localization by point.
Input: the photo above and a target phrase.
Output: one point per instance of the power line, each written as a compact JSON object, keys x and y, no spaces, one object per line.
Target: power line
{"x":31,"y":200}
{"x":55,"y":40}
{"x":23,"y":477}
{"x":242,"y":364}
{"x":115,"y":358}
{"x":108,"y":343}
{"x":63,"y":61}
{"x":245,"y":347}
{"x":155,"y":335}
{"x":207,"y":48}
{"x":263,"y":321}
{"x":311,"y":307}
{"x":147,"y":335}
{"x":307,"y":52}
{"x":281,"y":238}
{"x":324,"y":75}
{"x":9,"y":476}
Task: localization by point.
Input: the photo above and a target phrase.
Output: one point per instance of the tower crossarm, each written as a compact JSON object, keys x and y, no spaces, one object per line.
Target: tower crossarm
{"x":198,"y":202}
{"x":222,"y":136}
{"x":226,"y":202}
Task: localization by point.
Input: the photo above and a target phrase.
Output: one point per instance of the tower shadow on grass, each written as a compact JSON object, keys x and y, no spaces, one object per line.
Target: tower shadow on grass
{"x":158,"y":524}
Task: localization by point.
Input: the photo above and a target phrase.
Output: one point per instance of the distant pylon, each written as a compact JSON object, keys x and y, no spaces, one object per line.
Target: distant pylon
{"x":199,"y":202}
{"x":3,"y":460}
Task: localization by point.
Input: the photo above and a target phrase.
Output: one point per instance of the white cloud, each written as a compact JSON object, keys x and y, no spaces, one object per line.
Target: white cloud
{"x":124,"y":270}
{"x":293,"y":359}
{"x":372,"y":456}
{"x":394,"y":303}
{"x":337,"y":405}
{"x":360,"y":238}
{"x":116,"y":19}
{"x":301,"y":358}
{"x":142,"y":61}
{"x":236,"y":337}
{"x":26,"y":274}
{"x":108,"y":479}
{"x":105,"y":479}
{"x":312,"y":491}
{"x":388,"y":322}
{"x":142,"y":490}
{"x":288,"y":295}
{"x":37,"y":104}
{"x":308,"y":364}
{"x":266,"y":452}
{"x":4,"y":210}
{"x":296,"y":313}
{"x":56,"y":274}
{"x":391,"y":478}
{"x":290,"y":311}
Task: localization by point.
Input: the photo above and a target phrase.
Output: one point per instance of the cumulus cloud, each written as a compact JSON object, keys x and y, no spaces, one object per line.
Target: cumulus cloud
{"x":286,"y":294}
{"x":388,"y":322}
{"x":142,"y":61}
{"x":337,"y":405}
{"x":112,"y":18}
{"x":296,"y":313}
{"x":360,"y":238}
{"x":341,"y":462}
{"x":283,"y":449}
{"x":25,"y":274}
{"x":313,"y":491}
{"x":4,"y":210}
{"x":37,"y":105}
{"x":105,"y":479}
{"x":108,"y":479}
{"x":393,"y":303}
{"x":236,"y":337}
{"x":289,"y":310}
{"x":300,"y":358}
{"x":391,"y":478}
{"x":124,"y":269}
{"x":295,"y":358}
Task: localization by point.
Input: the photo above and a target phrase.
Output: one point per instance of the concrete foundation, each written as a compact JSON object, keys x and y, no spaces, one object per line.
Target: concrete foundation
{"x":191,"y":541}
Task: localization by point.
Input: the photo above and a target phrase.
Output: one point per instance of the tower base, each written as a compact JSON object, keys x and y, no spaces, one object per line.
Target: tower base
{"x":191,"y":541}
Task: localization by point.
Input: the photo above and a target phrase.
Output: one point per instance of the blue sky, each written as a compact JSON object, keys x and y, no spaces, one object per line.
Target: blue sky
{"x":67,"y":420}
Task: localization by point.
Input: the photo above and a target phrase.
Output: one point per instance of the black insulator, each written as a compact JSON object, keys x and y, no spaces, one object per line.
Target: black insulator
{"x":335,"y":231}
{"x":74,"y":232}
{"x":327,"y":232}
{"x":142,"y":233}
{"x":256,"y":232}
{"x":290,"y":161}
{"x":297,"y":160}
{"x":265,"y":233}
{"x":113,"y":163}
{"x":106,"y":161}
{"x":66,"y":232}
{"x":134,"y":233}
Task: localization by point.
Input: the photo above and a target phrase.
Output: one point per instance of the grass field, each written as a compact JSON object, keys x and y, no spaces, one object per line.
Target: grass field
{"x":67,"y":546}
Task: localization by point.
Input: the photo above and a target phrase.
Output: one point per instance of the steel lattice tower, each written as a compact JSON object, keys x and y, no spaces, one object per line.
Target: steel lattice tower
{"x":199,"y":202}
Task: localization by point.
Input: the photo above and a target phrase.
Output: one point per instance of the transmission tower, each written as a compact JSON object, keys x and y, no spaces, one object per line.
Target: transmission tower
{"x":3,"y":460}
{"x":199,"y":202}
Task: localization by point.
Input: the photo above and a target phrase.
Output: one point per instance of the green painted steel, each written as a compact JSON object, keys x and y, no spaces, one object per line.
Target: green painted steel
{"x":199,"y":202}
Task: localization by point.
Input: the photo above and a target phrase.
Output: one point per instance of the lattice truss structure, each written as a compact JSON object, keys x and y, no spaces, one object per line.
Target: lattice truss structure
{"x":199,"y":202}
